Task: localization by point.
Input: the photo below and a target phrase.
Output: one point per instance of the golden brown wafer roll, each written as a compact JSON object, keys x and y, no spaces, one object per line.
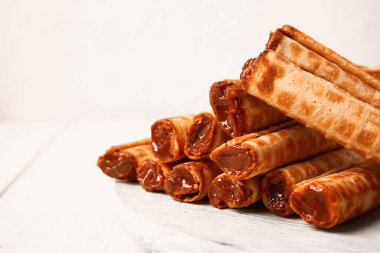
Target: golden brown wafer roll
{"x":239,"y":113}
{"x":189,"y":182}
{"x":224,"y":192}
{"x":168,"y":137}
{"x":258,"y":155}
{"x":278,"y":184}
{"x":322,"y":106}
{"x":330,"y":200}
{"x":151,"y":173}
{"x":203,"y":136}
{"x":330,"y":55}
{"x":120,"y":161}
{"x":319,"y":66}
{"x":375,"y":72}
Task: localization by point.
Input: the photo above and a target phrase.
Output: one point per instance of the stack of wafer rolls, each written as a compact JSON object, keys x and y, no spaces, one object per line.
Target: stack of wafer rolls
{"x":300,"y":130}
{"x":278,"y":184}
{"x":244,"y":159}
{"x":239,"y":113}
{"x":120,"y":162}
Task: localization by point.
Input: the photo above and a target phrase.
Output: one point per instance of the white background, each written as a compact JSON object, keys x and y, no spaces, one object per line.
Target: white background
{"x":78,"y":76}
{"x":117,"y":58}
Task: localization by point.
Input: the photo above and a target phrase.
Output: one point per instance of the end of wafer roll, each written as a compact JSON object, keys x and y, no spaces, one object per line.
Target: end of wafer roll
{"x":120,"y":162}
{"x":226,"y":100}
{"x":225,"y":192}
{"x":333,"y":199}
{"x":239,"y":113}
{"x":189,"y":182}
{"x":168,"y":137}
{"x":151,"y":173}
{"x":203,"y":136}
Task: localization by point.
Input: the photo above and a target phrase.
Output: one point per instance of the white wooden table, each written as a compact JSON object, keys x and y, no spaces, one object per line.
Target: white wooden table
{"x":52,"y":196}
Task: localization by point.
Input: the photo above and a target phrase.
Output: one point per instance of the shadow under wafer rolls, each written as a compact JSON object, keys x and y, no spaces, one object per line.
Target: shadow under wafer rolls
{"x":168,"y":137}
{"x":247,"y":156}
{"x":278,"y":184}
{"x":120,"y":162}
{"x":239,"y":113}
{"x":151,"y":173}
{"x":189,"y":182}
{"x":224,"y":192}
{"x":330,"y":200}
{"x":203,"y":136}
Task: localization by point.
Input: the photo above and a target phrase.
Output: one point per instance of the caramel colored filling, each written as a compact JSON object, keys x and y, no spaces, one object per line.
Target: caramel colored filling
{"x":225,"y":192}
{"x":118,"y":165}
{"x":201,"y":131}
{"x":234,"y":159}
{"x":150,"y":176}
{"x":181,"y":184}
{"x":229,"y":111}
{"x":277,"y":195}
{"x":313,"y":205}
{"x":162,"y":134}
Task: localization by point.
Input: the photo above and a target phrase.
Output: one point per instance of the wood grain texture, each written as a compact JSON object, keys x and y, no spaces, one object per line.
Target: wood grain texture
{"x":164,"y":225}
{"x":62,"y":202}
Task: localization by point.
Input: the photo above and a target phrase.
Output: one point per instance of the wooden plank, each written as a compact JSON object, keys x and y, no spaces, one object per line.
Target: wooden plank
{"x":164,"y":225}
{"x":63,"y":203}
{"x":21,"y":142}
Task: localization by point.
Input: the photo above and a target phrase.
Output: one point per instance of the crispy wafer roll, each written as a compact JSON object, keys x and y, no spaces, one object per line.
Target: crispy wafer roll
{"x":322,"y":106}
{"x":278,"y":184}
{"x":330,"y":55}
{"x":330,"y":200}
{"x":168,"y":137}
{"x":258,"y":155}
{"x":120,"y":161}
{"x":203,"y":136}
{"x":239,"y":113}
{"x":319,"y":66}
{"x":375,"y":72}
{"x":151,"y":173}
{"x":189,"y":182}
{"x":224,"y":192}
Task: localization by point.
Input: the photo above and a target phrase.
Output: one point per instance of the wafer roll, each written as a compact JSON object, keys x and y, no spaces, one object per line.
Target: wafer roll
{"x":330,"y":55}
{"x":120,"y":161}
{"x":224,"y":192}
{"x":203,"y":136}
{"x":189,"y":182}
{"x":375,"y":72}
{"x":319,"y":66}
{"x":322,"y":106}
{"x":151,"y":173}
{"x":278,"y":184}
{"x":168,"y":137}
{"x":258,"y":155}
{"x":330,"y":200}
{"x":239,"y":113}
